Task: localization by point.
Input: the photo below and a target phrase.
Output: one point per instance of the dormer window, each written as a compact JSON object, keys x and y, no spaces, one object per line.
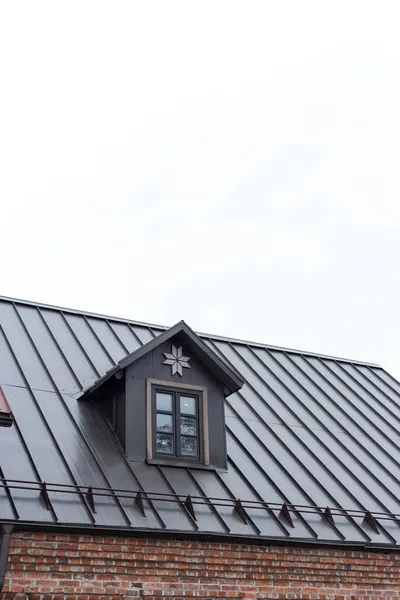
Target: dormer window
{"x":177,"y":424}
{"x":165,"y":401}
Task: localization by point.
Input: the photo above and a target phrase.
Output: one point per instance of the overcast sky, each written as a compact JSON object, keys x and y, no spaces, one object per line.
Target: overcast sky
{"x":234,"y":164}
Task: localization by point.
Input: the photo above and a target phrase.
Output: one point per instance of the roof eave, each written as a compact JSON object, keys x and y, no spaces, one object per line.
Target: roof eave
{"x":95,"y":386}
{"x":178,"y":534}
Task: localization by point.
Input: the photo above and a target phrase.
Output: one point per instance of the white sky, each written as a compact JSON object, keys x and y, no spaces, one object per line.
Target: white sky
{"x":235,"y":164}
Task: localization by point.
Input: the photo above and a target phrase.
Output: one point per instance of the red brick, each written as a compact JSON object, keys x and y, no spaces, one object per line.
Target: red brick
{"x":73,"y":567}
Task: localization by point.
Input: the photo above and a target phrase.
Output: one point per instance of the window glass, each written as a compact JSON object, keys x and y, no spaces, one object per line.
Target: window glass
{"x":188,"y":405}
{"x":188,"y":426}
{"x":188,"y":446}
{"x":164,"y":444}
{"x":164,"y":423}
{"x":164,"y":401}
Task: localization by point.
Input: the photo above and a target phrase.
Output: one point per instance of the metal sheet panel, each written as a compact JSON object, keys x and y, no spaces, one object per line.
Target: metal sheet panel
{"x":32,"y":370}
{"x":89,"y":343}
{"x":79,"y":461}
{"x":206,"y":515}
{"x":173,"y":515}
{"x":108,"y":339}
{"x":99,"y":447}
{"x":124,"y":333}
{"x":213,"y":486}
{"x":144,"y":334}
{"x":22,"y":468}
{"x":74,"y":355}
{"x":266,"y":520}
{"x":48,"y":351}
{"x":44,"y":453}
{"x":268,"y":460}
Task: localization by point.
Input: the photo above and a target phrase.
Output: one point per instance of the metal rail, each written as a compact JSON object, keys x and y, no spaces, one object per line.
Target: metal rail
{"x":285,"y":510}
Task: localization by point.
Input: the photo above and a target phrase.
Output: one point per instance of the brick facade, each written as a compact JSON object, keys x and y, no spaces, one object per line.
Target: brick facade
{"x":77,"y":567}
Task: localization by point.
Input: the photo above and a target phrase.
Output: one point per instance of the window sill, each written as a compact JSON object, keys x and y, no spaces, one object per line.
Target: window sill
{"x":186,"y":464}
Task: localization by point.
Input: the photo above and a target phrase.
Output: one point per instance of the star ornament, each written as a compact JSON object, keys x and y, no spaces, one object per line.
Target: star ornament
{"x":176,"y":360}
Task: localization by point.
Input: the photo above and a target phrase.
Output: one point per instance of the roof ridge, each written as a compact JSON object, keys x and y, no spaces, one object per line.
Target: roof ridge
{"x":201,"y":334}
{"x":77,"y":311}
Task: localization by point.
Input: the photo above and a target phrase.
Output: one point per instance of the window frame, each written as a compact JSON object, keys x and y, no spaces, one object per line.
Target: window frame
{"x":176,"y":415}
{"x":178,"y":389}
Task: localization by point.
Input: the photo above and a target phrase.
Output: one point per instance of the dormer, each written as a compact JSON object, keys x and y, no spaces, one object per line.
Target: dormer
{"x":165,"y":401}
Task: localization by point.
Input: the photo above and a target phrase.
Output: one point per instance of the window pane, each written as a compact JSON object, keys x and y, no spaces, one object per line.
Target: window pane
{"x":188,"y":426}
{"x":188,"y":446}
{"x":188,"y":405}
{"x":164,"y":444}
{"x":164,"y":423}
{"x":164,"y":401}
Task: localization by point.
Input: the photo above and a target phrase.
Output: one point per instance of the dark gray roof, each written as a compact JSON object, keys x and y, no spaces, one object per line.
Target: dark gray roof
{"x":305,"y":429}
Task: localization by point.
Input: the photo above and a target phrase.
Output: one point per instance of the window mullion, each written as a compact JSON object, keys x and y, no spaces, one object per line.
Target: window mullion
{"x":178,"y":423}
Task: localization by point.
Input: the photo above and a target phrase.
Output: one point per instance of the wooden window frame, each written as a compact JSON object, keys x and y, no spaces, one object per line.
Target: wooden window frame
{"x":203,"y":438}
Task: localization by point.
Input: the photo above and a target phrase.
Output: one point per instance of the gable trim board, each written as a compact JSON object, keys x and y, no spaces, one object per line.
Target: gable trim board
{"x":231,"y":378}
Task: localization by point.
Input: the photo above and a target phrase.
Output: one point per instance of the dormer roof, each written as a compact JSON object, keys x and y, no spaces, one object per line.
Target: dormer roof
{"x":229,"y":376}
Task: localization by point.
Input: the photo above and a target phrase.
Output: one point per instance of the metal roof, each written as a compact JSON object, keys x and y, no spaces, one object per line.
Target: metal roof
{"x":305,"y":432}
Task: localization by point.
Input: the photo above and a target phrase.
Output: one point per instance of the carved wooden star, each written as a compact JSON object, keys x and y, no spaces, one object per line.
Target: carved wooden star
{"x":176,"y":360}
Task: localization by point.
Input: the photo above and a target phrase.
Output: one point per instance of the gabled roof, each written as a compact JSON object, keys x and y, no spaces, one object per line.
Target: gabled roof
{"x":304,"y":430}
{"x":226,"y":374}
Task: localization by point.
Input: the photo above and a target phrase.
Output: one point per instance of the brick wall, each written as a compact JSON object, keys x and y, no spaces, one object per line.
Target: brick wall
{"x":73,"y":567}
